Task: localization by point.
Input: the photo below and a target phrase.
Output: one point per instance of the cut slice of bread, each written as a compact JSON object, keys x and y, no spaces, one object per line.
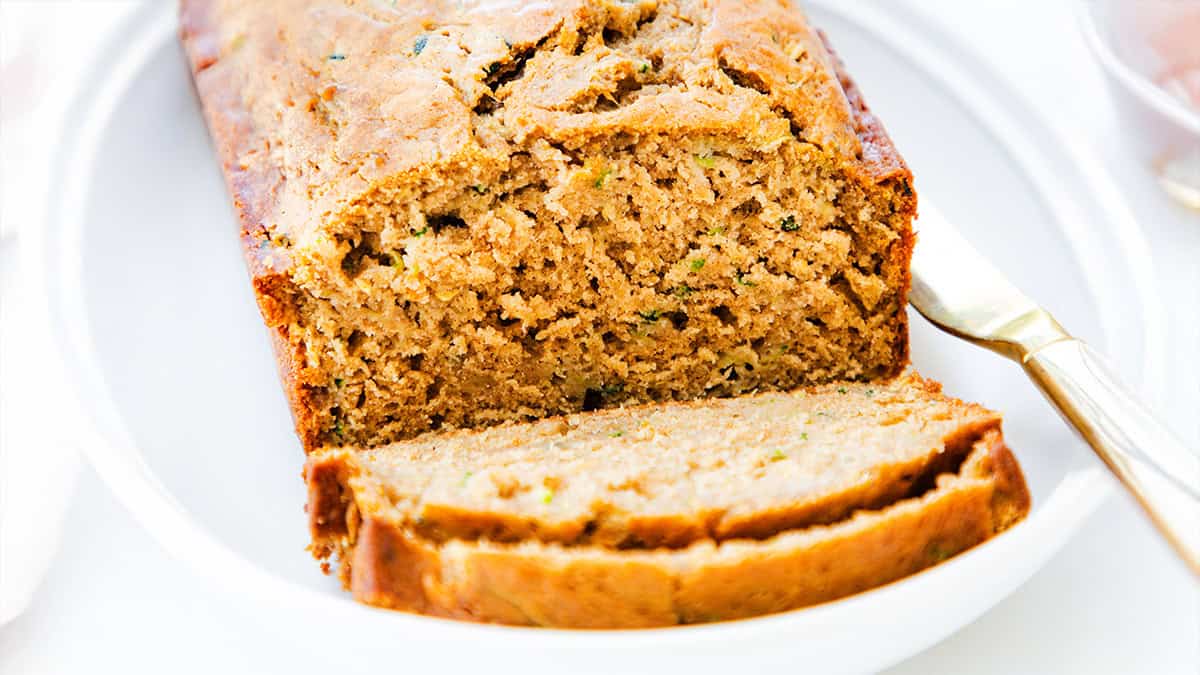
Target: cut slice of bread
{"x":669,"y":514}
{"x":669,"y":475}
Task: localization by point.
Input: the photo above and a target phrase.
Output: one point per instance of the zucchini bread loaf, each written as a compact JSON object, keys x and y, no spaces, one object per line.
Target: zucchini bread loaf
{"x":460,"y":213}
{"x":665,"y":514}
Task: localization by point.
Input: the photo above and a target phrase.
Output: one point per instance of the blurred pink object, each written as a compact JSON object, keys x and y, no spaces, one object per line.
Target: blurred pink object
{"x":1172,"y":30}
{"x":1150,"y":51}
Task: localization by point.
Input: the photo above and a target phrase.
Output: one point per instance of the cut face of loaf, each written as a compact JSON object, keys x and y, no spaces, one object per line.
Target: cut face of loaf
{"x":668,"y":514}
{"x":458,"y":214}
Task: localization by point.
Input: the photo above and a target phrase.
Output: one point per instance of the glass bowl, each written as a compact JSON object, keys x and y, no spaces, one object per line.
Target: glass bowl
{"x":1150,"y":53}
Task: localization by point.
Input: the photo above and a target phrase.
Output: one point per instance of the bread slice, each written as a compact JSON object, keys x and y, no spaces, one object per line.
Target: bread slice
{"x":670,"y":475}
{"x":668,"y":514}
{"x":456,"y":214}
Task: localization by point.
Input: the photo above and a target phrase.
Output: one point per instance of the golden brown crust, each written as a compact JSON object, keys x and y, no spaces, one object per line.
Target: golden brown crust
{"x":532,"y":583}
{"x":387,"y":571}
{"x":328,"y":501}
{"x":253,"y":186}
{"x":1010,"y":500}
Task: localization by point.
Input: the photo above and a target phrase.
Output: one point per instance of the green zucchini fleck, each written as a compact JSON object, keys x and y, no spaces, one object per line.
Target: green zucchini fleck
{"x":938,"y":552}
{"x":610,"y":389}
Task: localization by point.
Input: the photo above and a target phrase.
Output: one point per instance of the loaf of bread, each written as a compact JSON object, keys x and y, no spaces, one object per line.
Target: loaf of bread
{"x":665,"y":514}
{"x":463,"y":213}
{"x":462,"y":217}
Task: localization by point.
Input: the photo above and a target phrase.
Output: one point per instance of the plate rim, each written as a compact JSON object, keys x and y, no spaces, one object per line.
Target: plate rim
{"x":104,"y":435}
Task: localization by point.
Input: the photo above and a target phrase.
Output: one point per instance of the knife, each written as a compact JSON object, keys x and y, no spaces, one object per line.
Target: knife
{"x":959,"y":291}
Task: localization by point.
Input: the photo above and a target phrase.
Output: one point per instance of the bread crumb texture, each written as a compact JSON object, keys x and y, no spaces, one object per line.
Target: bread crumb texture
{"x":669,"y":475}
{"x":462,"y":213}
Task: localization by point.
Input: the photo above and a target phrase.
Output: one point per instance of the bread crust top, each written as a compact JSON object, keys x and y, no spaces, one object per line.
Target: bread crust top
{"x":313,"y":103}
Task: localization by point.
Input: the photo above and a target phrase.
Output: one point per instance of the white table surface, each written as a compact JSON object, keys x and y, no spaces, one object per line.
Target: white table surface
{"x":1113,"y":601}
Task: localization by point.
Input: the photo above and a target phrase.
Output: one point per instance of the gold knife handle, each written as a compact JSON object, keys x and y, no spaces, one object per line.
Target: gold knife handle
{"x":1162,"y":473}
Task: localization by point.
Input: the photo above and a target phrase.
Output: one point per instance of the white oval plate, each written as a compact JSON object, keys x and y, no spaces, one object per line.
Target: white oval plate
{"x":188,"y":426}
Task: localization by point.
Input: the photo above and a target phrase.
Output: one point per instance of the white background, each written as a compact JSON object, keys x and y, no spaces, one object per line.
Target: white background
{"x":1114,"y":600}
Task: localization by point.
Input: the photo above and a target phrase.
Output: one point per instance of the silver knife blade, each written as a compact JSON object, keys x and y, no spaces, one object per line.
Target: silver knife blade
{"x":962,"y":292}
